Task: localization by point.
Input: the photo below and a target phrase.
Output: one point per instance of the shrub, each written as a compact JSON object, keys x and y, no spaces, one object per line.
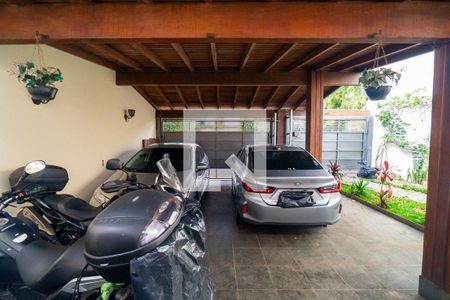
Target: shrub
{"x":359,"y":188}
{"x":385,"y":175}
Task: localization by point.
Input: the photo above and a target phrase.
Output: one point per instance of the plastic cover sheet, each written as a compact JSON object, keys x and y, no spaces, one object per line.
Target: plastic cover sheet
{"x":296,"y":199}
{"x":176,"y":269}
{"x":240,"y":169}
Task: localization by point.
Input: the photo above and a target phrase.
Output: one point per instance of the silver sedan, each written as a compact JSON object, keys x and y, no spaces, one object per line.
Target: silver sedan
{"x":288,"y":186}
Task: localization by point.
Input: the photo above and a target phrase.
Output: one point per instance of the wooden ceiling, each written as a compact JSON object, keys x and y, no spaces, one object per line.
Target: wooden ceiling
{"x":228,"y":74}
{"x":186,"y":1}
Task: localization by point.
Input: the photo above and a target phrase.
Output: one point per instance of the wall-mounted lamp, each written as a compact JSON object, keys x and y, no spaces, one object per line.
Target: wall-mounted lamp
{"x":128,"y":114}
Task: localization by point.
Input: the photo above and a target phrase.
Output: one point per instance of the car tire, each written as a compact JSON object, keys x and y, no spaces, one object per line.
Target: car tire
{"x":239,"y":220}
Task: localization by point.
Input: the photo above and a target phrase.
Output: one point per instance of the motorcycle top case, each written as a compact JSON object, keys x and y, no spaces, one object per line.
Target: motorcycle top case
{"x":130,"y":227}
{"x":54,"y":178}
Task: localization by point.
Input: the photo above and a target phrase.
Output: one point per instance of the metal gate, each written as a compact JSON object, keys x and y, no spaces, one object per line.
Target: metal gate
{"x":219,"y":139}
{"x":346,"y":140}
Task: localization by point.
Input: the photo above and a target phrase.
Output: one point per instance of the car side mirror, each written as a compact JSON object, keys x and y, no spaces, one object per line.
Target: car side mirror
{"x":113,"y":164}
{"x":201,"y":167}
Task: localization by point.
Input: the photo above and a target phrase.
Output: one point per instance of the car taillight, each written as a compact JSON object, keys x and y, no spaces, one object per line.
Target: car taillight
{"x":258,"y":189}
{"x":335,"y":188}
{"x":245,"y":208}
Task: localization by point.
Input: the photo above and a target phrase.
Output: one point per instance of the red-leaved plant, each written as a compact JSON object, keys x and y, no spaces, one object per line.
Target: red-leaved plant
{"x":385,"y":175}
{"x":335,"y":170}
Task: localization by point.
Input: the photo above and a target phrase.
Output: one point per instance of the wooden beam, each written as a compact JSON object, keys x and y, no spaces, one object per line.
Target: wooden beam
{"x":146,"y":96}
{"x":114,"y":54}
{"x":163,"y":96}
{"x":146,"y":52}
{"x":212,"y":79}
{"x":199,"y":95}
{"x":214,"y":56}
{"x":180,"y":95}
{"x":79,"y":52}
{"x":285,"y":50}
{"x":314,"y":54}
{"x":236,"y":95}
{"x":218,"y":96}
{"x":246,"y":56}
{"x":370,"y":58}
{"x":344,"y":55}
{"x":271,"y":95}
{"x":288,"y":96}
{"x":299,"y":102}
{"x":435,"y":280}
{"x":281,"y":127}
{"x":253,"y":98}
{"x":183,"y":55}
{"x":395,"y":20}
{"x":314,"y":115}
{"x":340,"y":78}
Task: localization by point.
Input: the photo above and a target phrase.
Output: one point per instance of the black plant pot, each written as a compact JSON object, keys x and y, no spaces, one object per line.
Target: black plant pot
{"x":42,"y":94}
{"x":379,"y":93}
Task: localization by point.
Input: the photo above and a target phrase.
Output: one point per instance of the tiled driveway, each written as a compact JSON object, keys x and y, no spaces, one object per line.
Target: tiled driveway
{"x":366,"y":255}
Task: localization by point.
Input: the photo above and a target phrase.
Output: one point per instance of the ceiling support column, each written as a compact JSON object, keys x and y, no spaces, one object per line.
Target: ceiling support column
{"x":434,"y":282}
{"x":281,"y":127}
{"x":314,"y":115}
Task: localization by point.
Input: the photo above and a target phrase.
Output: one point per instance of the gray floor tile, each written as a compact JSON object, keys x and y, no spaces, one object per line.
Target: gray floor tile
{"x":357,"y":277}
{"x":278,"y":256}
{"x":337,"y":295}
{"x":258,"y":294}
{"x":297,"y":294}
{"x":289,"y":277}
{"x":248,"y":256}
{"x":245,"y":240}
{"x":253,"y":277}
{"x":323,"y":276}
{"x":223,"y":277}
{"x":226,"y":295}
{"x":377,"y":295}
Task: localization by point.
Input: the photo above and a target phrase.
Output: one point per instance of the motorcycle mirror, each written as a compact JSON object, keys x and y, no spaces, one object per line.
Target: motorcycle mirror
{"x":113,"y":164}
{"x":35,"y":167}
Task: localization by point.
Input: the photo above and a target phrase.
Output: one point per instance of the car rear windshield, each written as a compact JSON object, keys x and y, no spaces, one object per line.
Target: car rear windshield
{"x":283,"y":160}
{"x":145,"y":160}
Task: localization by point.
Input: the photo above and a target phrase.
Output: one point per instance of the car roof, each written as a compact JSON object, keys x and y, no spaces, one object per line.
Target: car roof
{"x":274,"y":148}
{"x":173,"y":145}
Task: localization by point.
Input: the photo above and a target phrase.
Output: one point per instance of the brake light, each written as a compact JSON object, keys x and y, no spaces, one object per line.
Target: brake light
{"x":262,"y":189}
{"x":244,"y":208}
{"x":336,"y":188}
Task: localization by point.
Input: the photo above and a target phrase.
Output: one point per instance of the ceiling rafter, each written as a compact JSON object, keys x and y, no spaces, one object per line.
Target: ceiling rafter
{"x":299,"y":102}
{"x":181,"y":96}
{"x":214,"y":56}
{"x":315,"y":53}
{"x":183,"y":55}
{"x":288,"y":96}
{"x":344,"y":55}
{"x":163,"y":96}
{"x":218,"y":96}
{"x":150,"y":55}
{"x":199,"y":96}
{"x":370,"y":58}
{"x":271,"y":95}
{"x":285,"y":50}
{"x":146,"y":96}
{"x":236,"y":95}
{"x":253,"y":98}
{"x":114,"y":54}
{"x":246,"y":56}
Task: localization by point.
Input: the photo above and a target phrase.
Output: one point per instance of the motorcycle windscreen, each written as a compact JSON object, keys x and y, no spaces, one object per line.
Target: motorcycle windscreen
{"x":169,"y":174}
{"x":176,"y":269}
{"x":240,"y":169}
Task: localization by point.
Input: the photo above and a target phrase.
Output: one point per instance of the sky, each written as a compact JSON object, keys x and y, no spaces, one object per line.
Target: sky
{"x":418,"y":73}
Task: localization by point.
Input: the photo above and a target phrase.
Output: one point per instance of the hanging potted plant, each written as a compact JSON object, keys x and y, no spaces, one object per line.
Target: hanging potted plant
{"x":39,"y":81}
{"x":378,"y":82}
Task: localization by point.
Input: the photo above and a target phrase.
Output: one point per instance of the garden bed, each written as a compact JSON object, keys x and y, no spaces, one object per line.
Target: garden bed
{"x":404,"y":210}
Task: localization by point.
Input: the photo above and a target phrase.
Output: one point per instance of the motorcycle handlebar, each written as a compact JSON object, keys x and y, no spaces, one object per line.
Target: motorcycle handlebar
{"x":9,"y":197}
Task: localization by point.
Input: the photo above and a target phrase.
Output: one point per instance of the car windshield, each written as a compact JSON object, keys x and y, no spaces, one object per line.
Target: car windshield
{"x":145,"y":160}
{"x":283,"y":160}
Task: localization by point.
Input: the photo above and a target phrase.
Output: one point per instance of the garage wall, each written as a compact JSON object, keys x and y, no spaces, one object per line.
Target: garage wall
{"x":81,"y":127}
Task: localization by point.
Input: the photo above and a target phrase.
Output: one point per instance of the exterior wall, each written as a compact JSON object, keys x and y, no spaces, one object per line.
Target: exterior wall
{"x":79,"y":130}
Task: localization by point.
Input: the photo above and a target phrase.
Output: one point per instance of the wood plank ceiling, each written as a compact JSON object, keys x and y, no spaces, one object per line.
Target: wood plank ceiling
{"x":229,"y":58}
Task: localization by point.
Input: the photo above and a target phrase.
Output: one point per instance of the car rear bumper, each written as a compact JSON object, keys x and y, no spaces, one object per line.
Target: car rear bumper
{"x":260,"y":213}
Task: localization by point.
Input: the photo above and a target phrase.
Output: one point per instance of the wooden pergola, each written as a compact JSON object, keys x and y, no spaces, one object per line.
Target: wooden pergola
{"x":252,"y":55}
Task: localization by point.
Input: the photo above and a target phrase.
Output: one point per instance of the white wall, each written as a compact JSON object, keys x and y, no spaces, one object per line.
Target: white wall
{"x":81,"y":127}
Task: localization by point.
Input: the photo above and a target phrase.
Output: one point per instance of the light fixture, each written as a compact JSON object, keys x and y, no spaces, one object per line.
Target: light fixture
{"x":128,"y":114}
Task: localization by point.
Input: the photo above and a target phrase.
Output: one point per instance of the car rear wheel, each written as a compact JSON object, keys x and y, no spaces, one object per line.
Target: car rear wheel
{"x":239,"y":219}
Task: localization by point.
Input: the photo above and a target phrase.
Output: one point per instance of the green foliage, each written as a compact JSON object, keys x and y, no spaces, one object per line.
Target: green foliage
{"x":419,"y":172}
{"x":379,"y":77}
{"x":359,"y":188}
{"x":403,"y":207}
{"x":32,"y":76}
{"x":404,"y":186}
{"x":173,"y":126}
{"x":347,"y":97}
{"x":335,"y":170}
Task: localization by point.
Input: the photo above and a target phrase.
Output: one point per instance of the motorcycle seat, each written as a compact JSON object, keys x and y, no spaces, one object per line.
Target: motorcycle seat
{"x":74,"y":208}
{"x":45,"y":267}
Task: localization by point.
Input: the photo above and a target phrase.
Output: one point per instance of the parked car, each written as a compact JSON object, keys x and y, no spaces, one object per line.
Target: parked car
{"x":190,"y":161}
{"x":293,"y":188}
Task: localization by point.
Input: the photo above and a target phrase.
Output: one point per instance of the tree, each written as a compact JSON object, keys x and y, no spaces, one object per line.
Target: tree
{"x":347,"y":97}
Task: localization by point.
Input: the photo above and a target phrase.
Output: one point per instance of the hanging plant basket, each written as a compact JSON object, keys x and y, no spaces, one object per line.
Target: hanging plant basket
{"x":42,"y":94}
{"x":378,"y":93}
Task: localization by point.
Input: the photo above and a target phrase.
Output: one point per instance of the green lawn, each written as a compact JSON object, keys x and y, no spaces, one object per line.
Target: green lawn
{"x":404,"y":207}
{"x":403,"y":185}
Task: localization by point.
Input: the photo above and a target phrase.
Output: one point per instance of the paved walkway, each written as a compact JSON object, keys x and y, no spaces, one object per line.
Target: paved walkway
{"x":398,"y":192}
{"x":366,"y":255}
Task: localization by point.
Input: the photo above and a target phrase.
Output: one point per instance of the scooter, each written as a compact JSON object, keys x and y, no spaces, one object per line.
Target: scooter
{"x":59,"y":218}
{"x":33,"y":268}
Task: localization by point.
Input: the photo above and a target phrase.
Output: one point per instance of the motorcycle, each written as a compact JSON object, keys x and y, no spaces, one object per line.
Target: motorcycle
{"x":33,"y":268}
{"x":365,"y":171}
{"x":59,"y":218}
